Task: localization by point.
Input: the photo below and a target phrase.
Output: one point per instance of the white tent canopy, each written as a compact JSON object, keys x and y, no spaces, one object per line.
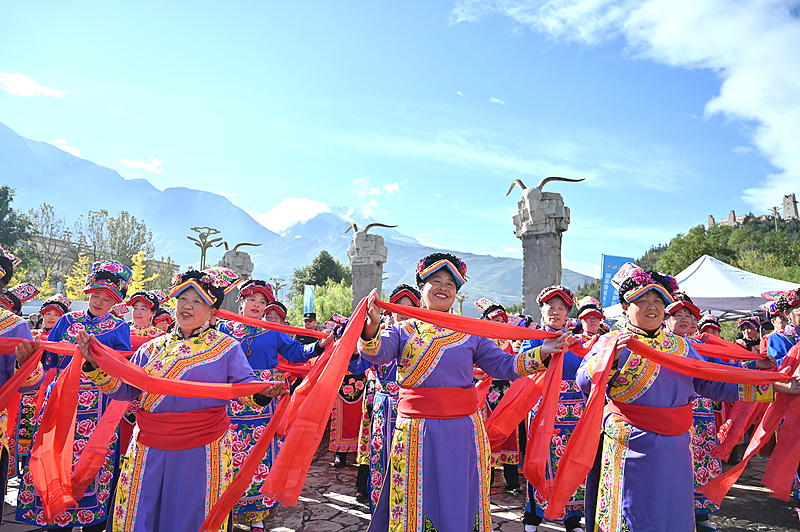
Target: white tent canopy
{"x":718,"y":287}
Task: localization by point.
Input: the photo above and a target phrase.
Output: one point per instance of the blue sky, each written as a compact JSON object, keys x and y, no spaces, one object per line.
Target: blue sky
{"x":423,"y":113}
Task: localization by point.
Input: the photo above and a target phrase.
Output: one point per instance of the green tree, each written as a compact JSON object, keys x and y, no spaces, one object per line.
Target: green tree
{"x":16,"y":229}
{"x":322,"y":268}
{"x":53,"y":242}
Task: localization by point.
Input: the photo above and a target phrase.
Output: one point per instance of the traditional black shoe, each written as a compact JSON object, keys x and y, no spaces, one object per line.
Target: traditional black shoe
{"x":361,"y":497}
{"x":339,"y":462}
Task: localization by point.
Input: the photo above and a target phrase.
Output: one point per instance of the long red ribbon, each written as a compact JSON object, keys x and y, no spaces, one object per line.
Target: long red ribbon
{"x":543,"y":426}
{"x":579,"y":456}
{"x":513,"y":408}
{"x":12,"y":385}
{"x":288,"y":329}
{"x":285,"y":480}
{"x":714,"y":346}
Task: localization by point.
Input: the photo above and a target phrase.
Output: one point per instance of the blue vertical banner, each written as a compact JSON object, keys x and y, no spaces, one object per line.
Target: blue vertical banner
{"x":308,"y":299}
{"x":609,"y":267}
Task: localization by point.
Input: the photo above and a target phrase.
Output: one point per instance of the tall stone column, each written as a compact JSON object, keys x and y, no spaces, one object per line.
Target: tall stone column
{"x":241,"y":263}
{"x":539,"y":222}
{"x":367,"y":254}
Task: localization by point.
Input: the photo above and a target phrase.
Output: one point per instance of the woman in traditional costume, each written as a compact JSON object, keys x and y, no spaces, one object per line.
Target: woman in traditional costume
{"x":275,"y":312}
{"x":438,"y":476}
{"x":171,"y":479}
{"x":346,"y":414}
{"x":163,"y":319}
{"x":680,"y":316}
{"x":709,"y":324}
{"x":144,"y":306}
{"x":261,"y":349}
{"x":556,"y":303}
{"x":106,"y":286}
{"x":645,"y":479}
{"x":749,"y":326}
{"x":780,"y":342}
{"x":508,"y":456}
{"x":590,"y":315}
{"x":51,"y":311}
{"x":12,"y":326}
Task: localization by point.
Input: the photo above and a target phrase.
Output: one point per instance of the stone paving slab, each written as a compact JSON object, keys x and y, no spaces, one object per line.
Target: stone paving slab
{"x":328,"y":504}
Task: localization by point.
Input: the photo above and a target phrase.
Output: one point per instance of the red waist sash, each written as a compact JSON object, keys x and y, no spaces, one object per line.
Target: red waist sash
{"x":176,"y":431}
{"x":664,"y":420}
{"x":437,"y":402}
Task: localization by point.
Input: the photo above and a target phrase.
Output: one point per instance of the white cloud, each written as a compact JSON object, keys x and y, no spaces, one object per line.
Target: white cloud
{"x":459,"y":93}
{"x":22,"y":85}
{"x":153,"y":166}
{"x":290,"y":211}
{"x":751,"y":44}
{"x":370,"y":208}
{"x":362,"y":187}
{"x":742,"y":150}
{"x":496,"y":100}
{"x":62,"y":145}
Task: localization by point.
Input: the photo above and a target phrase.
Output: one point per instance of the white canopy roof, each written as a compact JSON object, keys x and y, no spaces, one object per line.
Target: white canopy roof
{"x":718,"y":287}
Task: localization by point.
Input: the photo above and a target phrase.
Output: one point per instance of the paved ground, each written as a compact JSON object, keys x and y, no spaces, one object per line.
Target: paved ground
{"x":328,"y":504}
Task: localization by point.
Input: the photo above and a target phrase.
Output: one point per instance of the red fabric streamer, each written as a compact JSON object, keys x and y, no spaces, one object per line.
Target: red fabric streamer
{"x":241,"y":483}
{"x":438,"y":402}
{"x":178,"y":431}
{"x":513,"y":408}
{"x":51,"y":453}
{"x":301,"y":393}
{"x":288,"y":329}
{"x":9,"y":390}
{"x":474,"y":326}
{"x":542,"y":427}
{"x":93,"y":456}
{"x":49,"y":376}
{"x":742,"y":415}
{"x":579,"y":456}
{"x":285,"y":480}
{"x":731,"y":350}
{"x":664,"y":420}
{"x":781,"y":463}
{"x":138,"y":341}
{"x":118,"y":367}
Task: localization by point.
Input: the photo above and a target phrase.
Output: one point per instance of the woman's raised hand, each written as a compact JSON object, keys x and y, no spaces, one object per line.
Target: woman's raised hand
{"x":83,"y":341}
{"x":373,"y":317}
{"x":26,"y":349}
{"x":274,"y":390}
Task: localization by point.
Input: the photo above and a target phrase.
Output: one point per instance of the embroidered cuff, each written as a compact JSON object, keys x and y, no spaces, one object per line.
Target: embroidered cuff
{"x":529,"y":362}
{"x":763,"y":393}
{"x":105,"y":382}
{"x":255,"y":401}
{"x":370,"y":347}
{"x":34,"y":377}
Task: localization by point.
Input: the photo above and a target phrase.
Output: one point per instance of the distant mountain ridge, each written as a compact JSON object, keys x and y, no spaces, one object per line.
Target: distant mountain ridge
{"x":42,"y":173}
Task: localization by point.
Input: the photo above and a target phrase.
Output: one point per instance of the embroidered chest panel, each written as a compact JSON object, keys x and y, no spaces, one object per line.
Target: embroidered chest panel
{"x":171,"y":358}
{"x":423,"y":350}
{"x":80,"y":321}
{"x":8,"y":321}
{"x":639,"y":373}
{"x":244,"y":334}
{"x":148,"y":332}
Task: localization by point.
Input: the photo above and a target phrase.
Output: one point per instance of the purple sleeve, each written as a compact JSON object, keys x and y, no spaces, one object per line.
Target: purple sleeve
{"x":385,"y":347}
{"x":7,"y":362}
{"x":239,"y":369}
{"x":718,"y":391}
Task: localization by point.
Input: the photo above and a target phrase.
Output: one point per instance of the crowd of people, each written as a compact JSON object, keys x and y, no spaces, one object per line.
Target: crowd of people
{"x":420,"y":404}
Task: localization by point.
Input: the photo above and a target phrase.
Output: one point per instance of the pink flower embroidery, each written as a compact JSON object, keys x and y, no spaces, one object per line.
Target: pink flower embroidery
{"x":85,"y":516}
{"x":85,"y":427}
{"x":63,"y":519}
{"x":25,"y":497}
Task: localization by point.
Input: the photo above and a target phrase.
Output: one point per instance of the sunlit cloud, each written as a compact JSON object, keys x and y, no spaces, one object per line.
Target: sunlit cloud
{"x":751,"y":45}
{"x":22,"y":85}
{"x":497,"y":100}
{"x":62,"y":145}
{"x":289,"y":212}
{"x":153,"y":166}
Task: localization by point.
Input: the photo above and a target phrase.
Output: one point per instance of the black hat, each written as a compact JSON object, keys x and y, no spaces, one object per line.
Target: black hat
{"x":310,"y":316}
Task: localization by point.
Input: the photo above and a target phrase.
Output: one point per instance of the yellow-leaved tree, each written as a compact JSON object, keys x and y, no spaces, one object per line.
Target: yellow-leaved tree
{"x":138,"y":274}
{"x":75,"y":282}
{"x":46,"y":289}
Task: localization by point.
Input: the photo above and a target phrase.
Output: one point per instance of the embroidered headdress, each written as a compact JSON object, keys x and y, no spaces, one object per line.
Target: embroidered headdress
{"x":632,"y":282}
{"x":160,"y":295}
{"x":8,"y":263}
{"x":119,"y":310}
{"x":110,"y":276}
{"x":162,"y":315}
{"x":708,"y":321}
{"x":58,"y":302}
{"x":436,"y":261}
{"x":682,"y":300}
{"x":556,"y":290}
{"x":15,"y":297}
{"x":253,"y":286}
{"x":589,"y":305}
{"x":405,"y":290}
{"x":489,"y":309}
{"x":749,"y":321}
{"x":148,"y":298}
{"x":212,"y":284}
{"x":771,"y":308}
{"x":278,"y":307}
{"x":789,"y":299}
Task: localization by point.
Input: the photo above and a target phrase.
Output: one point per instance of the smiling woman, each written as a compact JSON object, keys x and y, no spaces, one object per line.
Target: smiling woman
{"x":438,"y":472}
